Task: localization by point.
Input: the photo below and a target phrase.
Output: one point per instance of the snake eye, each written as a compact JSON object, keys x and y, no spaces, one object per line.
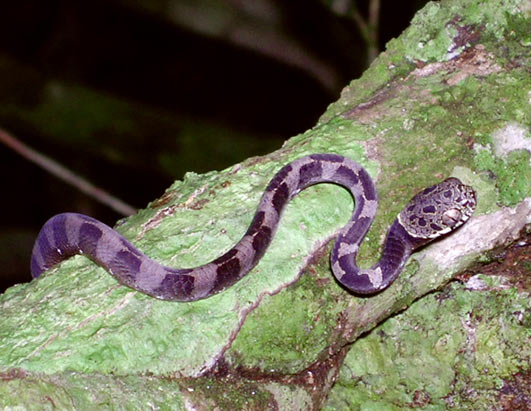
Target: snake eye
{"x":451,"y":217}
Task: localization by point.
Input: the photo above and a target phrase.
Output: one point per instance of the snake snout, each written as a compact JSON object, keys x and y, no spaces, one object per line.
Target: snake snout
{"x":451,"y":217}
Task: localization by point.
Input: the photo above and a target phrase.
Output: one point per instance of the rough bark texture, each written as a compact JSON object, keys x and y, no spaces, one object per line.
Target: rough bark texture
{"x":450,"y":96}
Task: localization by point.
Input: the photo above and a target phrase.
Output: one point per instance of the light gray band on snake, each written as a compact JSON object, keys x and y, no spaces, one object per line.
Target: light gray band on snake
{"x":433,"y":212}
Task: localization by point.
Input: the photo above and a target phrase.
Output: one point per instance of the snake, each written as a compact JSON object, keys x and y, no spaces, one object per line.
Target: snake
{"x":432,"y":213}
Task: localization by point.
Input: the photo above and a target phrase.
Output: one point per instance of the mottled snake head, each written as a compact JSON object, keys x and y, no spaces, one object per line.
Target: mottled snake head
{"x":438,"y":210}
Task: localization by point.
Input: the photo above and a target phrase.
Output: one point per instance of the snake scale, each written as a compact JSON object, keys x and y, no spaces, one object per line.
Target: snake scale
{"x":435,"y":211}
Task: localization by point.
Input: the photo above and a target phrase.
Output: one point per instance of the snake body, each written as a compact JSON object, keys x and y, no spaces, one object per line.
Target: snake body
{"x":433,"y":212}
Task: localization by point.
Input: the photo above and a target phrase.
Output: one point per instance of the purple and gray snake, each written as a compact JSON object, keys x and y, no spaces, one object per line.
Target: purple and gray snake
{"x":432,"y":213}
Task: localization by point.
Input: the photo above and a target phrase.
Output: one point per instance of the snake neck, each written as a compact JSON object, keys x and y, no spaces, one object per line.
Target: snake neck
{"x":398,"y":247}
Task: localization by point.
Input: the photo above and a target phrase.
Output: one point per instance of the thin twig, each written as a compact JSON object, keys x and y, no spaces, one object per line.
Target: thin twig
{"x":368,"y":28}
{"x":374,"y":19}
{"x":66,"y":175}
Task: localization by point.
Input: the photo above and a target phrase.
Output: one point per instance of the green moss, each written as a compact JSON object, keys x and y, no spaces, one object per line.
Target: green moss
{"x":441,"y":349}
{"x":428,"y":40}
{"x":73,"y":391}
{"x":294,"y":326}
{"x":513,"y":174}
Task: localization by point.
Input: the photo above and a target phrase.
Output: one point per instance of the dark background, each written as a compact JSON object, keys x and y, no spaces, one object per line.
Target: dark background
{"x":131,"y":95}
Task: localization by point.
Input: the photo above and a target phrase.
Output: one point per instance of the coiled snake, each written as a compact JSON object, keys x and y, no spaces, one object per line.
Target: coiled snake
{"x":433,"y":212}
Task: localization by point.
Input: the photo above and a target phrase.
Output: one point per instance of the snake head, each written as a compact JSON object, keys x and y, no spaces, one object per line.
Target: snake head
{"x":438,"y":210}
